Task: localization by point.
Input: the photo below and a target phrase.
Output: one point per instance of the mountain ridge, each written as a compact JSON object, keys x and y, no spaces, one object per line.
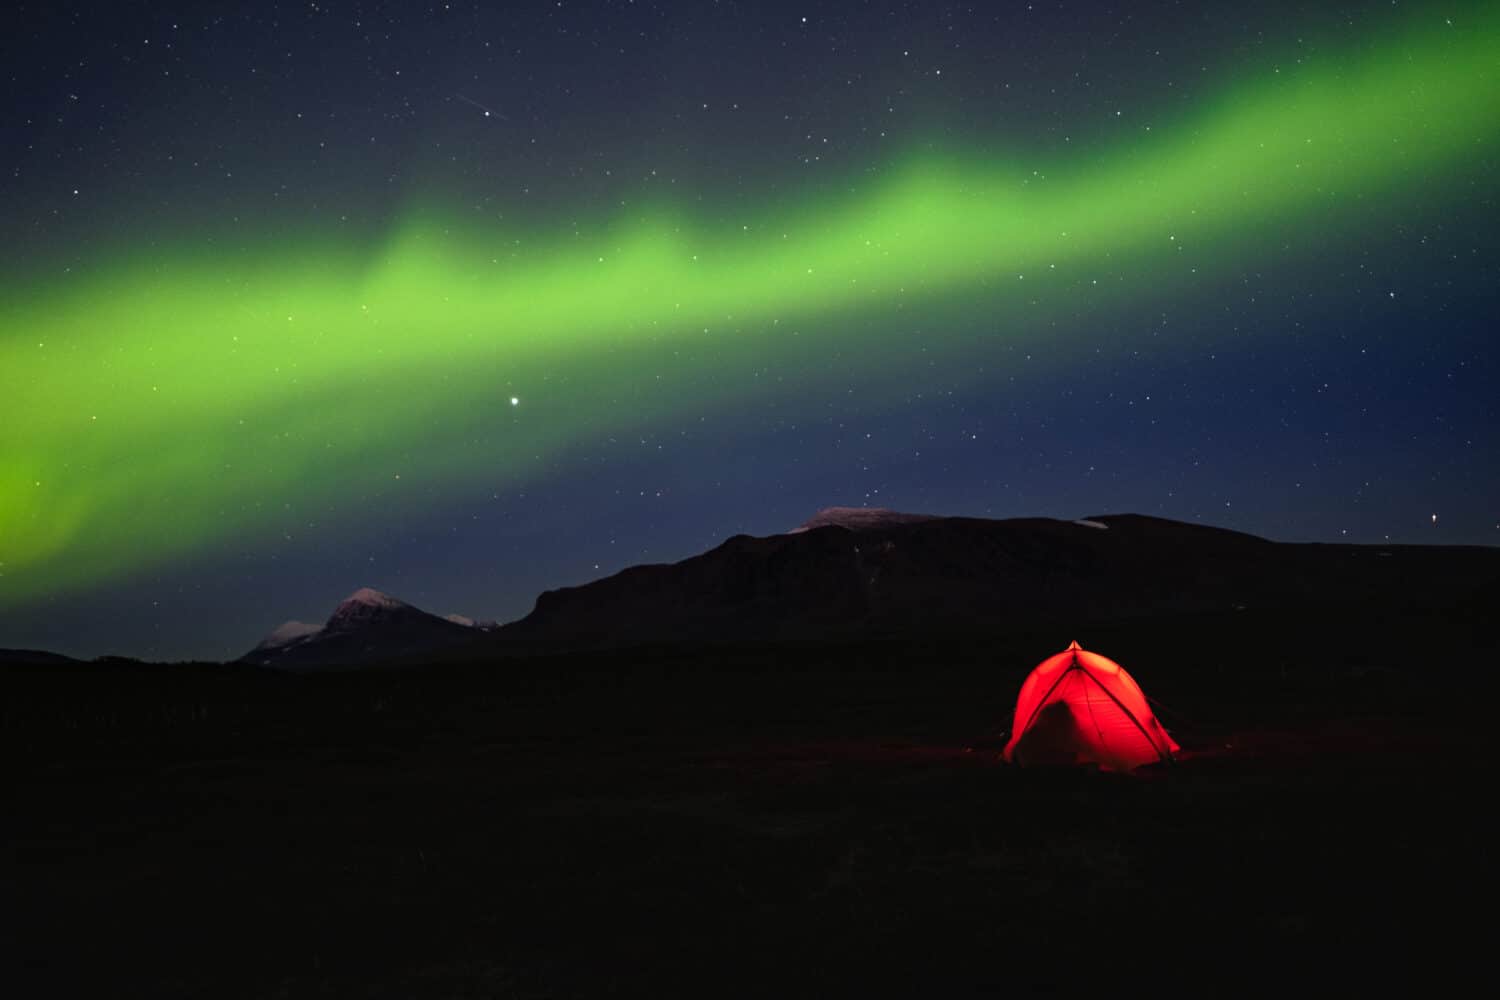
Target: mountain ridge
{"x":873,"y":573}
{"x":908,"y":574}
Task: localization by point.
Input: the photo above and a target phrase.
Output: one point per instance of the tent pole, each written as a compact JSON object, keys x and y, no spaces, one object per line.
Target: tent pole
{"x":1039,"y":705}
{"x":1162,"y":754}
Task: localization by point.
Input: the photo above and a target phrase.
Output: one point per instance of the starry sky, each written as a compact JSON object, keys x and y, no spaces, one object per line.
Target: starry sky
{"x":467,"y":301}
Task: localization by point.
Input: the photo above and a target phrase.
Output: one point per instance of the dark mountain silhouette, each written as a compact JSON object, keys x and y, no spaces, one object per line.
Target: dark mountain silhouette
{"x":32,"y":656}
{"x":891,"y":574}
{"x":855,"y":573}
{"x":367,"y":627}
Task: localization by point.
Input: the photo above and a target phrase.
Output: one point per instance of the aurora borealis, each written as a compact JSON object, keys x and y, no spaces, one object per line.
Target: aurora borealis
{"x":469,"y":400}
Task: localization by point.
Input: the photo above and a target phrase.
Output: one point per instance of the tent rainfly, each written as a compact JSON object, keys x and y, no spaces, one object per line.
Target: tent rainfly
{"x":1079,"y":708}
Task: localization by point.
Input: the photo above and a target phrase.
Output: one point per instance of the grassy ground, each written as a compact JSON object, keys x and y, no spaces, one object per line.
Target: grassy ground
{"x":752,"y":821}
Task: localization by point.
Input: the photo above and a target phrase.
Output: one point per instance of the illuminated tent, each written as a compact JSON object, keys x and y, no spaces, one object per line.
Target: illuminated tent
{"x":1078,"y":708}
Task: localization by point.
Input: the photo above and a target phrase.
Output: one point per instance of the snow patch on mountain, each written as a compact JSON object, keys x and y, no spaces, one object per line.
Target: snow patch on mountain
{"x":287,"y":633}
{"x":479,"y":624}
{"x":859,"y":519}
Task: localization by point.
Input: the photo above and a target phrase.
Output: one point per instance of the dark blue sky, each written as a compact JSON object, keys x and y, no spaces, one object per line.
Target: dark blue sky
{"x":1341,"y":386}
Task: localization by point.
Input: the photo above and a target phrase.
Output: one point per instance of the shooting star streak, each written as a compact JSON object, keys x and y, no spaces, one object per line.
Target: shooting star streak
{"x":488,"y":113}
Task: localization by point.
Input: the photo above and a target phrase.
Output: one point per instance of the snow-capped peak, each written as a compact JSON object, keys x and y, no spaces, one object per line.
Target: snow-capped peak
{"x":370,"y":597}
{"x":363,"y":606}
{"x":367,"y":625}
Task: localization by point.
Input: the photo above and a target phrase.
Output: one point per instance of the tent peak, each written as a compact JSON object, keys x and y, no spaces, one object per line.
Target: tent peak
{"x":1074,"y":645}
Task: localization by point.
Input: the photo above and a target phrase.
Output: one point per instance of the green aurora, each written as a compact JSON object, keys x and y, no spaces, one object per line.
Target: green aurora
{"x":152,"y":407}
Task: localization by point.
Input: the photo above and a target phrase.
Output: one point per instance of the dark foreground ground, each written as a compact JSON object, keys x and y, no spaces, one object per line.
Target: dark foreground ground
{"x":819,"y":821}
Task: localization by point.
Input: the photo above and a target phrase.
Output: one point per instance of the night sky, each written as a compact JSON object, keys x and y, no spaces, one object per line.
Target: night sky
{"x":464,"y":302}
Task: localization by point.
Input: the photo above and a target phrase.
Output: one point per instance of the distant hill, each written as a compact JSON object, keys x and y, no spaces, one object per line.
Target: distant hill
{"x":367,"y":627}
{"x":880,"y":573}
{"x":10,"y":657}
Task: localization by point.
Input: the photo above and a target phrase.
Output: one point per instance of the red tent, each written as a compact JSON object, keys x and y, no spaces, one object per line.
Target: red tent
{"x":1079,"y":707}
